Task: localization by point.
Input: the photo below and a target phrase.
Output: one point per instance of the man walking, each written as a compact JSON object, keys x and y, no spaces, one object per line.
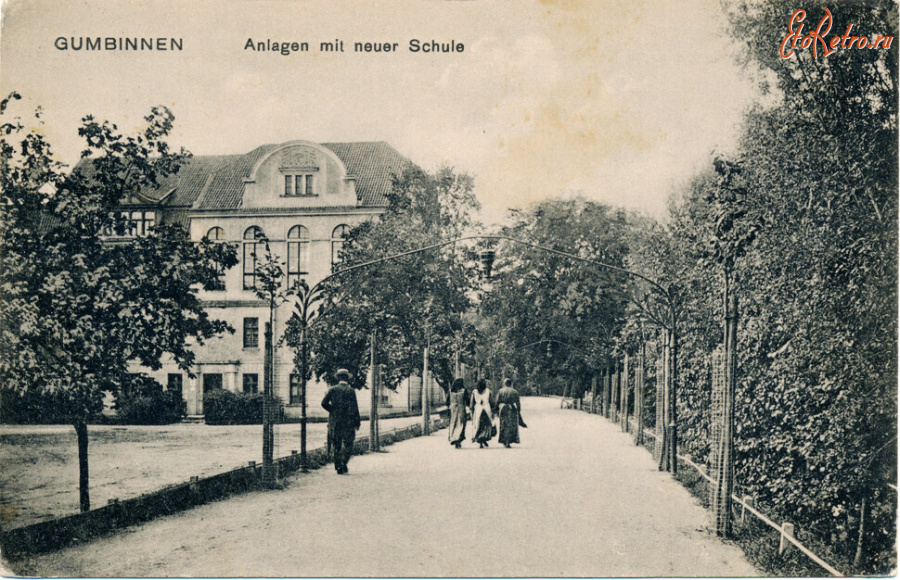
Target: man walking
{"x":343,"y":419}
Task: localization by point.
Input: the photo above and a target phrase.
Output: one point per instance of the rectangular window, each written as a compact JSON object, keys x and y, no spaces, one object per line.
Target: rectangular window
{"x":131,"y":224}
{"x":288,"y":181}
{"x":217,"y":284}
{"x":250,"y":265}
{"x":141,"y":222}
{"x":298,"y":185}
{"x":175,"y":382}
{"x":295,"y":389}
{"x":251,"y":383}
{"x":212,"y":382}
{"x":309,"y":185}
{"x":251,"y":333}
{"x":136,"y":227}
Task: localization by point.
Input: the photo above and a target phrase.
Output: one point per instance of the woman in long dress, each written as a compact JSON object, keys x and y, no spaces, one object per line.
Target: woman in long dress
{"x":458,"y":405}
{"x":482,"y":414}
{"x":510,"y":409}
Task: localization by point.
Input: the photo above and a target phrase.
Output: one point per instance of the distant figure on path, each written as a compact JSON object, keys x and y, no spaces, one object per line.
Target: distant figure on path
{"x":343,"y":419}
{"x":510,"y":413}
{"x":482,"y":414}
{"x":458,"y":404}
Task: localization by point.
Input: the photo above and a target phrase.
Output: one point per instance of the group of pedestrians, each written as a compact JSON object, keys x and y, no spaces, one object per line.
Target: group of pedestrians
{"x":479,"y":408}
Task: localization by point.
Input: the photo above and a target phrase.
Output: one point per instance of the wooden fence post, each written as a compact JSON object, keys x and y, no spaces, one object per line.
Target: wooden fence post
{"x":787,"y":531}
{"x":606,"y":392}
{"x":593,"y":394}
{"x":614,"y":393}
{"x":624,"y":391}
{"x":747,"y":501}
{"x":660,"y":447}
{"x":373,"y":408}
{"x":857,"y":558}
{"x":426,"y":412}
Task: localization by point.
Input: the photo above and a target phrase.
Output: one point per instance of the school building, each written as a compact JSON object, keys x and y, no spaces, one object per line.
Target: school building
{"x":303,"y":198}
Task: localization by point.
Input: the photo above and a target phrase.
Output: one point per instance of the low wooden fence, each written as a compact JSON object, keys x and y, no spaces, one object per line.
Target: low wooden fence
{"x":786,"y":530}
{"x":58,"y":533}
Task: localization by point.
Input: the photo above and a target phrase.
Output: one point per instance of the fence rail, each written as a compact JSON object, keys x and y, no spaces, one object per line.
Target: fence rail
{"x":785,"y":531}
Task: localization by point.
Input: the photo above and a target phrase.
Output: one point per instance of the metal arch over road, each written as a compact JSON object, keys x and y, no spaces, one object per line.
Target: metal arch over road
{"x":307,"y":296}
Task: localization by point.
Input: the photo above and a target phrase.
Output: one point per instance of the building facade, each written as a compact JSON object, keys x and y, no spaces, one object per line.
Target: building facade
{"x":303,"y":198}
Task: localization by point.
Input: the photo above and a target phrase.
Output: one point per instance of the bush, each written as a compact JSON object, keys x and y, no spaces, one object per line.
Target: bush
{"x":222,"y":407}
{"x":32,"y":408}
{"x":144,"y":402}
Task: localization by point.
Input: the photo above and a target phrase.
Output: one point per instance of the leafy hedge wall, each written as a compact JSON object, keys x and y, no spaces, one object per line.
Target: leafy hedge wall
{"x":222,"y":407}
{"x":145,"y":402}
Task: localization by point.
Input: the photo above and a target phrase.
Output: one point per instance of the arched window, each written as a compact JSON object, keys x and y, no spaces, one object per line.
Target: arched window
{"x":216,"y":234}
{"x":252,"y":247}
{"x":298,"y":254}
{"x":338,"y":237}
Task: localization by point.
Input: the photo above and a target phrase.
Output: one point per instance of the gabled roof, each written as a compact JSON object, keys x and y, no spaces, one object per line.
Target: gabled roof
{"x":216,"y":182}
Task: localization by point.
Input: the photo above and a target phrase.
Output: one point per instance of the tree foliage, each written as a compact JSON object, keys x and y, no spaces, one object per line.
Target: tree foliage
{"x":412,"y":302}
{"x":817,"y":374}
{"x":78,"y":309}
{"x":553,"y":315}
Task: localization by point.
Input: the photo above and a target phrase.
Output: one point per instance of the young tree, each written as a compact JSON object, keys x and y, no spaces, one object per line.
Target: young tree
{"x":79,"y":309}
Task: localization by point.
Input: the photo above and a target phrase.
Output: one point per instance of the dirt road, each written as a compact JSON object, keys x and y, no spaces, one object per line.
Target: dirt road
{"x":576,"y":498}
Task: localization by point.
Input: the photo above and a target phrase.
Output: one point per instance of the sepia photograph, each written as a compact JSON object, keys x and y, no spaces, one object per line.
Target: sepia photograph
{"x":448,"y":288}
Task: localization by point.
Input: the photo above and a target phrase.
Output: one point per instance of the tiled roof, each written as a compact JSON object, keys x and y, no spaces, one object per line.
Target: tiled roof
{"x":374,"y":165}
{"x":217,"y":181}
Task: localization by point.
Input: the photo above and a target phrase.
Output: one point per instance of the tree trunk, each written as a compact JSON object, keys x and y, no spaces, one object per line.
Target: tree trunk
{"x":83,"y":494}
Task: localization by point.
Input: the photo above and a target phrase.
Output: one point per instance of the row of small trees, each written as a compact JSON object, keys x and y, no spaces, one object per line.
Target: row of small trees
{"x":801,"y":221}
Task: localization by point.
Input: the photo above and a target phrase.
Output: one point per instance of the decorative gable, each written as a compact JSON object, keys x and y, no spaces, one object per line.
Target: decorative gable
{"x":298,"y":159}
{"x":299,"y":174}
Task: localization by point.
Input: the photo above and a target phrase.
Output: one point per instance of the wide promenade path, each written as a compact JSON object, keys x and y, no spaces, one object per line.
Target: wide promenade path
{"x":576,"y":498}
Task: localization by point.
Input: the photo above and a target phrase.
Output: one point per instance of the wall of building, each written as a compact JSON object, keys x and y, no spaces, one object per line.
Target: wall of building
{"x":265,"y":205}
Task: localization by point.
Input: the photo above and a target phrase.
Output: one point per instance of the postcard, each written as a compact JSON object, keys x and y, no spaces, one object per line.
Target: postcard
{"x":463,"y":288}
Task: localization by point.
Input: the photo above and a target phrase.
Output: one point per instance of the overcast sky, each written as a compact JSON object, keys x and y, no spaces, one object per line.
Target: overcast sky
{"x":618,"y":101}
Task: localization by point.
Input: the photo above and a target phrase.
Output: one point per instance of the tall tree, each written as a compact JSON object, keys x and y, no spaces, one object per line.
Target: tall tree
{"x":78,"y":309}
{"x":565,"y":310}
{"x":415,"y":301}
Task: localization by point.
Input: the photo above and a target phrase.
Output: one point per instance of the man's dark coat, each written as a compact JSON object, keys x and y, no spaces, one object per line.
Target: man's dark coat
{"x":343,"y":413}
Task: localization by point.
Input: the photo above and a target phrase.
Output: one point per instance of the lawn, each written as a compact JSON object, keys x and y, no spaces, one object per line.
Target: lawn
{"x":39,"y":474}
